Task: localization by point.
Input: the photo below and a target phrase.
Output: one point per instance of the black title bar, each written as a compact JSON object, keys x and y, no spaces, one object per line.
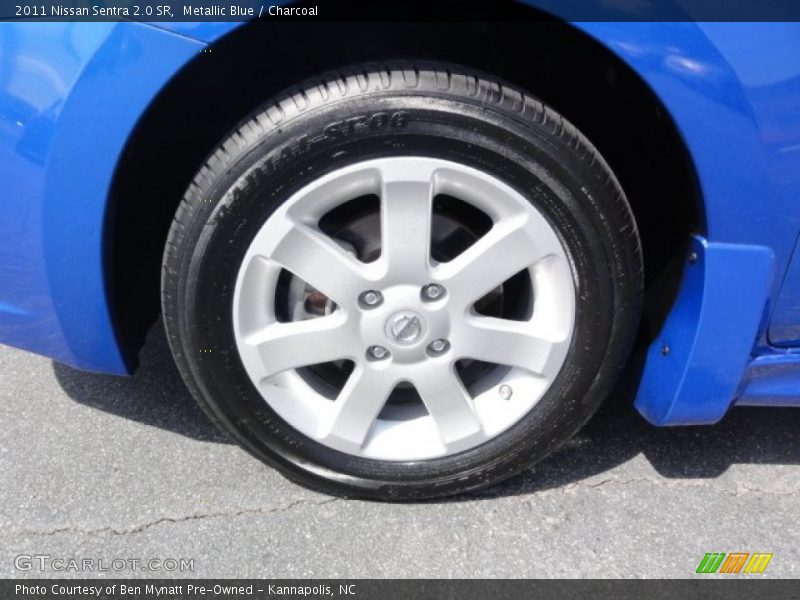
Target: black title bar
{"x":399,"y":10}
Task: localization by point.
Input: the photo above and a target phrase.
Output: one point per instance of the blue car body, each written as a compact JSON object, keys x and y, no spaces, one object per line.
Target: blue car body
{"x":72,"y":93}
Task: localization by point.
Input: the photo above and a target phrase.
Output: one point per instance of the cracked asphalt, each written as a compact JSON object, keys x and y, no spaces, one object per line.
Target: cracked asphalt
{"x":94,"y":466}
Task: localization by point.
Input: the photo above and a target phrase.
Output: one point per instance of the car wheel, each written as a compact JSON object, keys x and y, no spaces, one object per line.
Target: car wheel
{"x":402,"y":281}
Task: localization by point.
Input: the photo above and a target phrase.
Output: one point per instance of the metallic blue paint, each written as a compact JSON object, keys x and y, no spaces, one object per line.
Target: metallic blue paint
{"x":784,"y":329}
{"x":694,"y":366}
{"x":203,"y":31}
{"x":732,"y":90}
{"x":70,"y":95}
{"x":736,"y":108}
{"x":771,"y":380}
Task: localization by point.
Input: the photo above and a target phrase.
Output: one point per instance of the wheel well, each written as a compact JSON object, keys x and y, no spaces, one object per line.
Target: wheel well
{"x":564,"y":67}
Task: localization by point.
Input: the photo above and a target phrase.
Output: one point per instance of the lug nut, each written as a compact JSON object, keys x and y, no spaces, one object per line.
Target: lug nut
{"x":505,"y":392}
{"x":371,"y":298}
{"x":377,"y":352}
{"x":438,"y":346}
{"x":432,"y":291}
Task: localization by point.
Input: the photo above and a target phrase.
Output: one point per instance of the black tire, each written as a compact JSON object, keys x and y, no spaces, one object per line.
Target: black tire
{"x":443,"y":111}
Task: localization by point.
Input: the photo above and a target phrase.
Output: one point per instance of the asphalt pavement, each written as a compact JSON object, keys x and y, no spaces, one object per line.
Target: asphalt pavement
{"x":106,"y":468}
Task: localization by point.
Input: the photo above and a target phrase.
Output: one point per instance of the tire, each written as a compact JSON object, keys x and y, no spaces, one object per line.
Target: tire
{"x":441,"y":116}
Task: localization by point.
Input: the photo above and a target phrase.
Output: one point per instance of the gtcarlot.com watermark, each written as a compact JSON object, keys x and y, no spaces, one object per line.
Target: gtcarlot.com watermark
{"x":64,"y":564}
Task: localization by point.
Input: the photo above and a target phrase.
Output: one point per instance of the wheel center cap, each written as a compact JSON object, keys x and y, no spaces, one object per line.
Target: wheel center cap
{"x":405,"y":327}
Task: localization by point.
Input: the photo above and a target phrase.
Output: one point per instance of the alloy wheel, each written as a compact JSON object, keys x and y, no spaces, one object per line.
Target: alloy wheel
{"x":398,"y":322}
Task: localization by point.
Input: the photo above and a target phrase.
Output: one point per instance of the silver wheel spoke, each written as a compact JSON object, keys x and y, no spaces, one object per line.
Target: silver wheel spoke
{"x":283,"y":346}
{"x":504,"y":251}
{"x":358,"y":405}
{"x":317,"y":259}
{"x":406,"y":211}
{"x":450,"y":406}
{"x":509,"y":343}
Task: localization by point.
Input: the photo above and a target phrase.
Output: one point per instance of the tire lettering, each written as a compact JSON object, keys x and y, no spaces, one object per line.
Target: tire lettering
{"x":379,"y":120}
{"x":304,"y":143}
